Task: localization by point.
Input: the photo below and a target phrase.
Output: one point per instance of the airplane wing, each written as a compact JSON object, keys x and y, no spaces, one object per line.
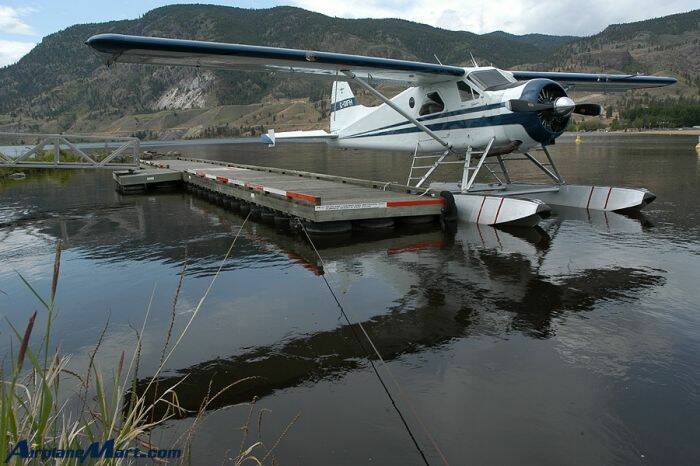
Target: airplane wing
{"x":155,"y":50}
{"x":596,"y":82}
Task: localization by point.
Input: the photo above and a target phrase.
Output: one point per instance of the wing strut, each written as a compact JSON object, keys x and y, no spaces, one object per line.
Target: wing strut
{"x":400,"y":111}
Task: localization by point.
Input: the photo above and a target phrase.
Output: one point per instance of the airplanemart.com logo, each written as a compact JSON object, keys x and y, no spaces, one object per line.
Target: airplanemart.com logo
{"x":94,"y":450}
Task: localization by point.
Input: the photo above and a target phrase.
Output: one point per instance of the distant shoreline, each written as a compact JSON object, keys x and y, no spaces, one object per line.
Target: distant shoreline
{"x":655,"y":132}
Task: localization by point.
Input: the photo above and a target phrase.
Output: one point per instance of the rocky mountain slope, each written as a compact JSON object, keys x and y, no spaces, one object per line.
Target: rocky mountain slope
{"x":63,"y":86}
{"x":668,"y":45}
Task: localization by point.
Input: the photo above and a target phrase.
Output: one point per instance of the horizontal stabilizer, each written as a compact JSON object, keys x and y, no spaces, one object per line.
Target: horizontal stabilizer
{"x":317,"y":135}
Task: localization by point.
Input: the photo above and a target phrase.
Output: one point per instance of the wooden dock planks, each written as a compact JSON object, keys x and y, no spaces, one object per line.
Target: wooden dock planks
{"x":311,"y":196}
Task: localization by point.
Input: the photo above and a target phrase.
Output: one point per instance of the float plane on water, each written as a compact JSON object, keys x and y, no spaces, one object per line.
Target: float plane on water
{"x":482,"y":116}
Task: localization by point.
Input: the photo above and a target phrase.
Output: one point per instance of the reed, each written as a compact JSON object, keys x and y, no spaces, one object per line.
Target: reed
{"x":106,"y":406}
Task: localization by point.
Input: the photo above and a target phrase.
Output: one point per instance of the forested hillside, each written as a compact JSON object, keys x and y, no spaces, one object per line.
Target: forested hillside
{"x":62,"y":85}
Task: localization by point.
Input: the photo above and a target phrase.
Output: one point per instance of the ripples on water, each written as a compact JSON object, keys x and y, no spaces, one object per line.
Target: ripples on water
{"x":573,"y":342}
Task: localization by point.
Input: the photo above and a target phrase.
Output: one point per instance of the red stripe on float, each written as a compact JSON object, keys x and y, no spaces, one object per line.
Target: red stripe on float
{"x":483,"y":199}
{"x":607,"y":199}
{"x":589,"y":197}
{"x":499,"y":210}
{"x":440,"y":201}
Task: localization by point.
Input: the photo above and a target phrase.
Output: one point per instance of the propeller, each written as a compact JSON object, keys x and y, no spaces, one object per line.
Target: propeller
{"x":561,"y":105}
{"x":518,"y":105}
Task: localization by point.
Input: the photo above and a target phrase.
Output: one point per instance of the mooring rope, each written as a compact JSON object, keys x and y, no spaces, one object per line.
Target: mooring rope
{"x":384,"y":364}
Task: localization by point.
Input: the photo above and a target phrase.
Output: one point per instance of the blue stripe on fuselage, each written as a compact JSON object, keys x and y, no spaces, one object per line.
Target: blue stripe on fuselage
{"x":432,"y":117}
{"x":525,"y":120}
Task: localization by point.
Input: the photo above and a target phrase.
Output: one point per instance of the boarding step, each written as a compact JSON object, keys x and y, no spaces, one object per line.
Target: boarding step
{"x":469,"y":172}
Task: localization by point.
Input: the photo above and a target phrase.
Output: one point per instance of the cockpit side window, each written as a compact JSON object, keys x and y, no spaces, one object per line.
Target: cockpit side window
{"x":432,"y":103}
{"x":466,"y":92}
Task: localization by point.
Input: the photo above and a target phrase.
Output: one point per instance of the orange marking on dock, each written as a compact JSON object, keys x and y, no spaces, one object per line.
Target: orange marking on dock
{"x":255,"y":186}
{"x":412,"y":203}
{"x":304,"y":197}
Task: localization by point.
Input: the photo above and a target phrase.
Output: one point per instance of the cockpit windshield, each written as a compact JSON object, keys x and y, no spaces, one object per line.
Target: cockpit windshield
{"x":490,"y":79}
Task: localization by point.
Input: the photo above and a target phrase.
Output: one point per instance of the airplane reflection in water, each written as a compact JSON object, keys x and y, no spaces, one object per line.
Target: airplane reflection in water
{"x":400,"y":331}
{"x":475,"y":281}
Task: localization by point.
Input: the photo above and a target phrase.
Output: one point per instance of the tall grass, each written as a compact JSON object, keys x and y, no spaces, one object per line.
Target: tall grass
{"x":106,"y":405}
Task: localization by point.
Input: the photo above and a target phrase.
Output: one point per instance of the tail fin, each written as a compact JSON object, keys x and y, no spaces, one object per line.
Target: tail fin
{"x":345,"y":109}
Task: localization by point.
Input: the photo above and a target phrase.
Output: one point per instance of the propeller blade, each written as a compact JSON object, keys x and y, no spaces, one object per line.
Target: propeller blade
{"x":588,"y":109}
{"x":518,"y":105}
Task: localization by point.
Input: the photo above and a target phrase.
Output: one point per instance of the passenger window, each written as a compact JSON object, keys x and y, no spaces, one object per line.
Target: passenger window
{"x":432,"y":104}
{"x":466,"y":92}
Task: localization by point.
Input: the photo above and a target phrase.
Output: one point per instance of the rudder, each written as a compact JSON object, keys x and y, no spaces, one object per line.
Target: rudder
{"x":345,"y":109}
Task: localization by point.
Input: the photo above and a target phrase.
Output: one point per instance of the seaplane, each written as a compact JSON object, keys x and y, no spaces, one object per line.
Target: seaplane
{"x":480,"y":117}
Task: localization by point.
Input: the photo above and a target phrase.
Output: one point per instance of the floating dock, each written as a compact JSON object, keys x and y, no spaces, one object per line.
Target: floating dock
{"x":327,"y":200}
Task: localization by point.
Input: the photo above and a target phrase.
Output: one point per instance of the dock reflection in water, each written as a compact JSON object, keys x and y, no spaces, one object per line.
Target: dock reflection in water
{"x":579,"y":338}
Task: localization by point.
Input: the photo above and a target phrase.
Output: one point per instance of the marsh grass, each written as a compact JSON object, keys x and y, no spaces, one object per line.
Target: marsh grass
{"x":106,"y":405}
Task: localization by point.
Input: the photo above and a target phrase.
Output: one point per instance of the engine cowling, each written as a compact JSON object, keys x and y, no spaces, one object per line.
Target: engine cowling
{"x":546,"y":110}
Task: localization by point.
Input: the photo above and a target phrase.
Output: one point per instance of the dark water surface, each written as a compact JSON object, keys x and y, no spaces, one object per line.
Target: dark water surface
{"x":576,"y":343}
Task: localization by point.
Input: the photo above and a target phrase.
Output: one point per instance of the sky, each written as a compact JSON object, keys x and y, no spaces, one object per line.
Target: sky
{"x":24,"y":22}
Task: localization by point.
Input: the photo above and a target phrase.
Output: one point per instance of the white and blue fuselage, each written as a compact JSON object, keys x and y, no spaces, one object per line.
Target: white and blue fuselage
{"x":461,"y":112}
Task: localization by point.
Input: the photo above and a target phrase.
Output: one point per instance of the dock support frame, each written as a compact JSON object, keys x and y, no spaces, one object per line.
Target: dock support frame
{"x":116,"y":146}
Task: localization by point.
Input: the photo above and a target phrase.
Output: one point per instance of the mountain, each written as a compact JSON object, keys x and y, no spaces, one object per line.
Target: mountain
{"x":62,"y":78}
{"x":61,"y":85}
{"x":668,"y":45}
{"x":543,"y":42}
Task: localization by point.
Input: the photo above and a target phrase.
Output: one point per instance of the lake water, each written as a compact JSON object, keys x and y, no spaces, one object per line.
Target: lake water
{"x":574,"y":343}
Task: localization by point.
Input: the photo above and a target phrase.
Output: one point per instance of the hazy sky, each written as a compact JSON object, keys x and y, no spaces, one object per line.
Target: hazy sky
{"x":24,"y":22}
